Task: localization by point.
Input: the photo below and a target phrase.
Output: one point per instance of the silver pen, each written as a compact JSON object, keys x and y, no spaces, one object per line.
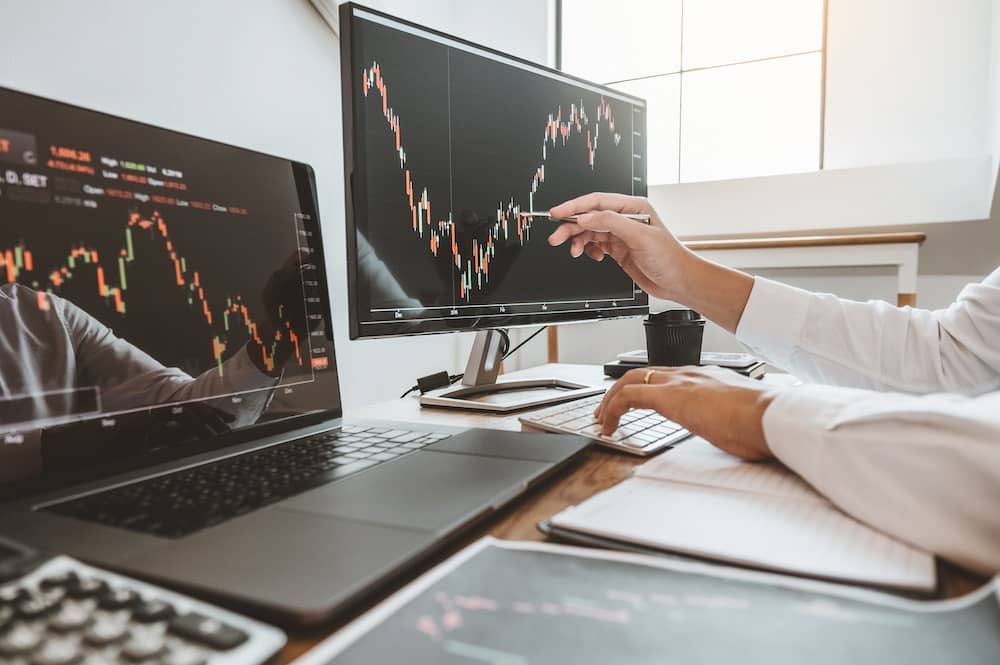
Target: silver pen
{"x":572,"y":218}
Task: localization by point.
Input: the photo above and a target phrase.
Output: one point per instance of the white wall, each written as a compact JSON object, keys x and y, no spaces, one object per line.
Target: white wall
{"x":263,"y":74}
{"x":906,"y":81}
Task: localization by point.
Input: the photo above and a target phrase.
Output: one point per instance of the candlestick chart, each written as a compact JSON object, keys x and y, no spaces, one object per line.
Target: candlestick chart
{"x":109,"y":278}
{"x":472,"y":258}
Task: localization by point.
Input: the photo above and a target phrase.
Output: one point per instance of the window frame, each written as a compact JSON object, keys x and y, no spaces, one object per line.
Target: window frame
{"x":680,"y":73}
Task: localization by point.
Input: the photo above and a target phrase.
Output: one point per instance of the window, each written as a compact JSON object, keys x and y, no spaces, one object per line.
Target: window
{"x":734,"y":87}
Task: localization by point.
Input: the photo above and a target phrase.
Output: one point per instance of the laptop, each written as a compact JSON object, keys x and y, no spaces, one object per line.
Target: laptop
{"x":171,"y":404}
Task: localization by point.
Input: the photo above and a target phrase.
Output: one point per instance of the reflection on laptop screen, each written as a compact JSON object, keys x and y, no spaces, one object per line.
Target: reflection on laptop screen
{"x":156,"y":290}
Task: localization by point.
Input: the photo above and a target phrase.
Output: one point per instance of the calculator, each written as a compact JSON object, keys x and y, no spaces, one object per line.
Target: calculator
{"x":58,"y":611}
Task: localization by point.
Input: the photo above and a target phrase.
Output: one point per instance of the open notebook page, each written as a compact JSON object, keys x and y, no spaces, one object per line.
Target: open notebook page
{"x":697,"y":500}
{"x":804,"y":537}
{"x":698,"y":462}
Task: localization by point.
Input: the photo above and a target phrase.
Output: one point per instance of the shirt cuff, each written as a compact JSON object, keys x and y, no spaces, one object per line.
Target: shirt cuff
{"x":798,"y":422}
{"x":773,"y":320}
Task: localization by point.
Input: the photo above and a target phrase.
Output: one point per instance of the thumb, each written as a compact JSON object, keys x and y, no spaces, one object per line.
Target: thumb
{"x":629,"y":231}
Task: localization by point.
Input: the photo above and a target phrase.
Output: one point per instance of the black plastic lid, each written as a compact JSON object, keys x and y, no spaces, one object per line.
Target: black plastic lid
{"x":678,"y":315}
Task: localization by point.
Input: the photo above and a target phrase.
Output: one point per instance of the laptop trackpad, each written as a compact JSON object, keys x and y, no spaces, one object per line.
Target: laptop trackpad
{"x":423,"y":490}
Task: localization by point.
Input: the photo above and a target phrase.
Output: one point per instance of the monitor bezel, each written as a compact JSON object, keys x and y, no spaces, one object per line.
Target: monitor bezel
{"x":353,"y":161}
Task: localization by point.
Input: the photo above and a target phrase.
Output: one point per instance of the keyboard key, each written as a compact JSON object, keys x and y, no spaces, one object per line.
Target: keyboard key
{"x":70,"y":618}
{"x":58,"y":652}
{"x":37,"y":606}
{"x":7,"y":617}
{"x":353,"y":429}
{"x":647,"y":422}
{"x":144,"y":646}
{"x":60,"y":581}
{"x":407,"y":437}
{"x":105,"y":631}
{"x":99,"y":659}
{"x":11,"y":594}
{"x":210,"y":632}
{"x":579,"y":423}
{"x":87,"y":588}
{"x":393,"y":433}
{"x":118,"y":599}
{"x":21,"y":639}
{"x":152,"y":611}
{"x":665,"y":429}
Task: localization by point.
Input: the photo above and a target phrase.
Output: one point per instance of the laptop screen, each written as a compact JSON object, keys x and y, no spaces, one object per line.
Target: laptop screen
{"x":160,"y":294}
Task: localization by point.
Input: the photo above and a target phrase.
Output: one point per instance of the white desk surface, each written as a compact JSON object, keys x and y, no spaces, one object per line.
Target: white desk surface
{"x":409,"y":410}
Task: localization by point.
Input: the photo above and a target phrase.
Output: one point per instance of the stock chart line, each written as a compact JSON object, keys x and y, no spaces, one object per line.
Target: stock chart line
{"x":18,"y":263}
{"x":474,"y":269}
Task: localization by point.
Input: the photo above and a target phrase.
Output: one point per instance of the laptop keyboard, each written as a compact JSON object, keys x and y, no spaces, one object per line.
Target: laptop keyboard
{"x":183,"y":502}
{"x":640,"y":431}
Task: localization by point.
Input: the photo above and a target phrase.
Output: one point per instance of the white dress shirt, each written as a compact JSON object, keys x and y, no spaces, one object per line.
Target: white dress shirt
{"x":901,"y":425}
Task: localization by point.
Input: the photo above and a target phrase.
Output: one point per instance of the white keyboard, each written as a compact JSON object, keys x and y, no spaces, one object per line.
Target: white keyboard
{"x":640,"y":432}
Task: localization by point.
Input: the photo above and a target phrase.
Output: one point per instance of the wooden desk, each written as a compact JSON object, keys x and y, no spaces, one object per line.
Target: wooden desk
{"x":596,"y":471}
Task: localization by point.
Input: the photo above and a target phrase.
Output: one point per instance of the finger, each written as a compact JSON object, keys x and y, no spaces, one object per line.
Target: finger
{"x":580,"y":242}
{"x":565,"y":232}
{"x":630,"y":377}
{"x":629,"y":231}
{"x":595,"y":251}
{"x":635,"y":396}
{"x":600,"y":201}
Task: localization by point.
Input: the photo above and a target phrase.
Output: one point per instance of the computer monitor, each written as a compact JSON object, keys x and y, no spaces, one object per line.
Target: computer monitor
{"x":160,"y":293}
{"x":448,"y":145}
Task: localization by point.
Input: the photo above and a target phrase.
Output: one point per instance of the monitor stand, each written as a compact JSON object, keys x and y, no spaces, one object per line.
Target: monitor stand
{"x":480,"y":390}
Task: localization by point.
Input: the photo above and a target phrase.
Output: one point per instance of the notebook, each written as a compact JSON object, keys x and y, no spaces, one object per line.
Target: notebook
{"x":700,"y":501}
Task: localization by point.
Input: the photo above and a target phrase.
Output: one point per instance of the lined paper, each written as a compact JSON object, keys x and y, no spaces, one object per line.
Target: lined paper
{"x":699,"y":501}
{"x":698,"y":462}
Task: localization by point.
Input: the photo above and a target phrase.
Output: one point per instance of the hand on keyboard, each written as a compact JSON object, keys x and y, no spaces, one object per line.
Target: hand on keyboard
{"x":718,"y":404}
{"x":641,"y":431}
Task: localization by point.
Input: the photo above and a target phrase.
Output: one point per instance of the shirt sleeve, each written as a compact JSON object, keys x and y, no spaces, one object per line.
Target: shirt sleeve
{"x":924,"y":469}
{"x":874,"y":345}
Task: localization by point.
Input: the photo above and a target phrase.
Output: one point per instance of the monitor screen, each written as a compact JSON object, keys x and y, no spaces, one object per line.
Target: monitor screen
{"x":447,"y":146}
{"x":158,"y":292}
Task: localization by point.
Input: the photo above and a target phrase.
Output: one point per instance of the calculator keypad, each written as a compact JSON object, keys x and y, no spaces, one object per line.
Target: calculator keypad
{"x":81,"y":619}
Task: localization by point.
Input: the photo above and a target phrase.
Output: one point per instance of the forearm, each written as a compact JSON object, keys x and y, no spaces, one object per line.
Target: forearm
{"x":923,"y":469}
{"x":873,"y":345}
{"x":718,"y":293}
